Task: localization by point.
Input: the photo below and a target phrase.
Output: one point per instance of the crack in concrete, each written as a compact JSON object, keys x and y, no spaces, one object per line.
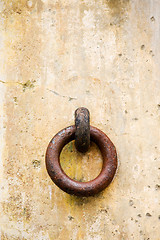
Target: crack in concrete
{"x":25,"y":85}
{"x":57,"y":94}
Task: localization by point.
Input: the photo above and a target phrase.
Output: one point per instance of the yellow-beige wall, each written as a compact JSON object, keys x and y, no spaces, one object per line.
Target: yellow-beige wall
{"x":55,"y":56}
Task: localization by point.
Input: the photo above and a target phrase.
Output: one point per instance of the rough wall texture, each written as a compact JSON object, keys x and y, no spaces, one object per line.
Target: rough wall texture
{"x":54,"y":57}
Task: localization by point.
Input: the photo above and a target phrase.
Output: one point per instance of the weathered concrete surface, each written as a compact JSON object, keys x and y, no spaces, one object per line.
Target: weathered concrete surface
{"x":54,"y":57}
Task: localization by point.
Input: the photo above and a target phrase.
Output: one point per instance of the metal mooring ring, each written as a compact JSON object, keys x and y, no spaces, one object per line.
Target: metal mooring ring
{"x":67,"y":184}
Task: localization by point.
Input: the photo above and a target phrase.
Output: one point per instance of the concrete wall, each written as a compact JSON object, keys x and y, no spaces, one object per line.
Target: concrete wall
{"x":57,"y":55}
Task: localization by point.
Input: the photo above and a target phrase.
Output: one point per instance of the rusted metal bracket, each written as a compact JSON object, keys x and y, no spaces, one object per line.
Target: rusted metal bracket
{"x":82,"y":134}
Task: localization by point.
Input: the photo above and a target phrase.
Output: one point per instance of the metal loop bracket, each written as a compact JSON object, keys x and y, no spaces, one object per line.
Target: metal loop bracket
{"x":82,"y":134}
{"x":69,"y":185}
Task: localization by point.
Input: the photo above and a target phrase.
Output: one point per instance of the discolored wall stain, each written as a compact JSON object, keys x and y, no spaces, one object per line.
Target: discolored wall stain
{"x":79,"y":166}
{"x":118,"y":10}
{"x":21,"y":6}
{"x":118,"y":6}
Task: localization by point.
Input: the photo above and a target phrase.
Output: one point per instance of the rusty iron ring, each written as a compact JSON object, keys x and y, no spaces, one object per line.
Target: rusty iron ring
{"x":82,"y":134}
{"x":67,"y":184}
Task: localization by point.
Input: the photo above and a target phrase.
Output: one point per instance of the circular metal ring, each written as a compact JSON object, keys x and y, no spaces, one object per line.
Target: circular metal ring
{"x":67,"y":184}
{"x":82,"y":134}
